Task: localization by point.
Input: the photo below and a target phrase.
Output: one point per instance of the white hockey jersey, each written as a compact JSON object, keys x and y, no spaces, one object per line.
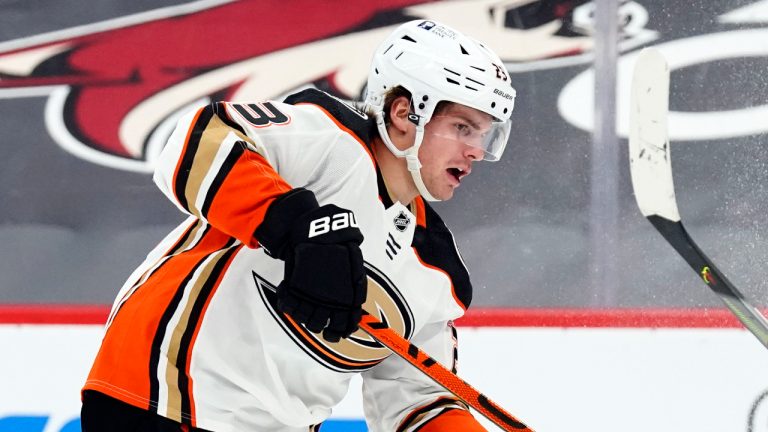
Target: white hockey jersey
{"x":194,"y":334}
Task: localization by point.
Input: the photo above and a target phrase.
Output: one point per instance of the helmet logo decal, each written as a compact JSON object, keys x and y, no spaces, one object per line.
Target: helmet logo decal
{"x":500,"y":72}
{"x":427,"y":25}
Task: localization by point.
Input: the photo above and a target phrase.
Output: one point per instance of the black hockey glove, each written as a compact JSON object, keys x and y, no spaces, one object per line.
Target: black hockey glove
{"x":325,"y":284}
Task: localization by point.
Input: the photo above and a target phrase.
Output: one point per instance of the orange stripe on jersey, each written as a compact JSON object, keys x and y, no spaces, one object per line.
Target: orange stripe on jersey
{"x":308,"y":339}
{"x":250,"y":176}
{"x":344,"y":128}
{"x":453,"y":420}
{"x":179,"y":245}
{"x":453,"y":290}
{"x":420,"y":211}
{"x":196,"y":331}
{"x":122,"y":365}
{"x":222,"y":179}
{"x":418,"y":414}
{"x":179,"y":337}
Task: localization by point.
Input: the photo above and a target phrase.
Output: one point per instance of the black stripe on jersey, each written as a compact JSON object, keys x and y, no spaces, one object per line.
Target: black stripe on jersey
{"x":391,"y":248}
{"x":171,"y":252}
{"x":436,"y":247}
{"x":443,"y":411}
{"x":391,"y":238}
{"x":184,"y":237}
{"x":157,"y":341}
{"x":234,"y":155}
{"x":176,"y":249}
{"x":383,"y":194}
{"x":219,"y":108}
{"x":188,"y":158}
{"x":415,"y":415}
{"x":354,"y":120}
{"x":195,"y":315}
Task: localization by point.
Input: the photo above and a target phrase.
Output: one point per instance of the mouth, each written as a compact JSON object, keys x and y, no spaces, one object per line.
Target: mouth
{"x":458,"y":173}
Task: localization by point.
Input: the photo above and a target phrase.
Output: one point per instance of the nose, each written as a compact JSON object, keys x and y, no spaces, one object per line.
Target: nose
{"x":473,"y":153}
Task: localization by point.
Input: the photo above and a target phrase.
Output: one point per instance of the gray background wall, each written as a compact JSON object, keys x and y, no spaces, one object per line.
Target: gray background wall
{"x":71,"y":229}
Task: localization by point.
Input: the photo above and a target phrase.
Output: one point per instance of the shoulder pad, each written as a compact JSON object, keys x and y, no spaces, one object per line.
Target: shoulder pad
{"x":347,"y":115}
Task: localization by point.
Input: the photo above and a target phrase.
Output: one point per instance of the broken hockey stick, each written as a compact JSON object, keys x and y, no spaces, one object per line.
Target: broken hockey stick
{"x":651,"y":170}
{"x":440,"y":374}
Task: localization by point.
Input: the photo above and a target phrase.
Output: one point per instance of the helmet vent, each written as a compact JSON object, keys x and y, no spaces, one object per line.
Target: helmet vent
{"x":478,"y":68}
{"x":463,"y":51}
{"x":388,"y":48}
{"x":452,"y":81}
{"x":448,"y":70}
{"x":408,"y":38}
{"x":476,"y":82}
{"x":471,"y":88}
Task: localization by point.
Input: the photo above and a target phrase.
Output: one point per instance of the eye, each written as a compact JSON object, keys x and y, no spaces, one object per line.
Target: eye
{"x":462,"y":129}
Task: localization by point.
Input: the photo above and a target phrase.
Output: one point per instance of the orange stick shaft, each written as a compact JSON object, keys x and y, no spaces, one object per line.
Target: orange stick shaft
{"x":437,"y":372}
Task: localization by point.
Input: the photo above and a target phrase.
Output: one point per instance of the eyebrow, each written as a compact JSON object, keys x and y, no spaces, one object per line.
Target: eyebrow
{"x":468,"y":120}
{"x":471,"y":122}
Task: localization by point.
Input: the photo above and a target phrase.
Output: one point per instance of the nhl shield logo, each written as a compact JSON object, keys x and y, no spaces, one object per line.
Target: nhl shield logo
{"x":401,"y":221}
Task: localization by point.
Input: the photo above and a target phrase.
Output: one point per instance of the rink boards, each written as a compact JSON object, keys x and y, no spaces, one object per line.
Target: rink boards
{"x":559,"y":369}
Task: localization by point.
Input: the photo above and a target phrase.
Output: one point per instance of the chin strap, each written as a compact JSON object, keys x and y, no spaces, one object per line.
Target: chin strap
{"x":411,"y":154}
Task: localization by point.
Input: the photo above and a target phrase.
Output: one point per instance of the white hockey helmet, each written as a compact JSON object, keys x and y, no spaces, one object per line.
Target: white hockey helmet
{"x":437,"y":63}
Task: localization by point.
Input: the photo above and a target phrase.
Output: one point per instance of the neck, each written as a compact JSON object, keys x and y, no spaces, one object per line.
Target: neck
{"x":395,"y":173}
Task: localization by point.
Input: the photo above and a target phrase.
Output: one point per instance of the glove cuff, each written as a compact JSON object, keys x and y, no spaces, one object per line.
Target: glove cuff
{"x":273,"y":233}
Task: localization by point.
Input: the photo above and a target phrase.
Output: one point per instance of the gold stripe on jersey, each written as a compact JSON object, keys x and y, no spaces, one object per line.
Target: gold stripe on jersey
{"x":217,"y":165}
{"x":197,"y":292}
{"x":195,"y":234}
{"x":213,"y":135}
{"x":188,"y":240}
{"x":174,"y":346}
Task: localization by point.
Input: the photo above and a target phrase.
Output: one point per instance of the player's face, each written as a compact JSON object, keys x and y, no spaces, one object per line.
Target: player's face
{"x":452,"y":141}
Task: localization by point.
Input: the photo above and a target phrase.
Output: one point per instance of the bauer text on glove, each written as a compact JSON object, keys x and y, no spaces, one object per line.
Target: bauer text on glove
{"x":324,"y":285}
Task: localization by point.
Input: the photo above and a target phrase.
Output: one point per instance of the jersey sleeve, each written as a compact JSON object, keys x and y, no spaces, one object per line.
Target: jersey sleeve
{"x":399,"y":397}
{"x":211,"y":169}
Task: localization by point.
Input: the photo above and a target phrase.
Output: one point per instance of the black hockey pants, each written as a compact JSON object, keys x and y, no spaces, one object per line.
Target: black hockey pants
{"x":101,"y":413}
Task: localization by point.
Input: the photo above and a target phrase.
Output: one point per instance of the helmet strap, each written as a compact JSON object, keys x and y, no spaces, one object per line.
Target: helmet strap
{"x":411,"y":154}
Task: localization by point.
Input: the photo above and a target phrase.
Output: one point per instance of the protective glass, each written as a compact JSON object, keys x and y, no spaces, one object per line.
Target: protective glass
{"x":491,"y":138}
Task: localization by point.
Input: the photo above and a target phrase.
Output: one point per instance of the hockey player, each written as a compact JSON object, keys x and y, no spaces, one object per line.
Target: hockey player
{"x":302,"y":214}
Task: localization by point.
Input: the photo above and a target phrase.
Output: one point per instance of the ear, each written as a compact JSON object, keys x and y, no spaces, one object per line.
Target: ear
{"x":399,"y":124}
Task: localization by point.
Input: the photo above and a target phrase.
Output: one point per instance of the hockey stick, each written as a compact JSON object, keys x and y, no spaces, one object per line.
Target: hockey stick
{"x":651,"y":170}
{"x":429,"y":366}
{"x":441,"y":375}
